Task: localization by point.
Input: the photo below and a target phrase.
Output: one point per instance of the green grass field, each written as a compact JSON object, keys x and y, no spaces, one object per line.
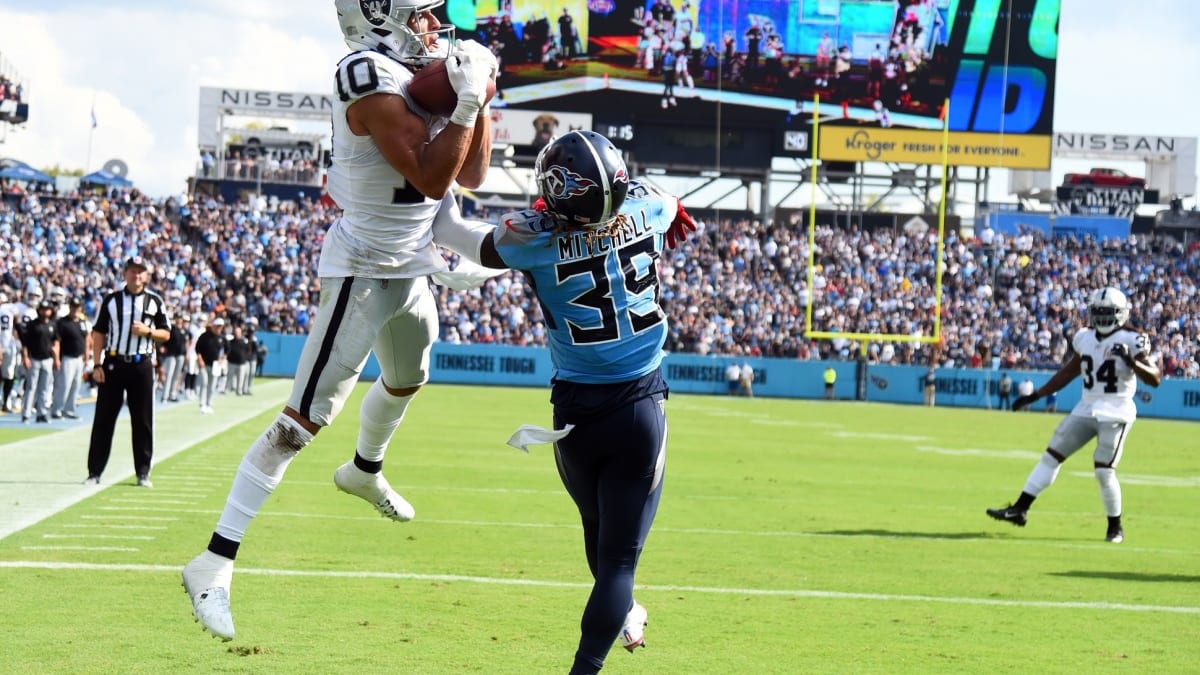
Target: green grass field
{"x":793,"y":537}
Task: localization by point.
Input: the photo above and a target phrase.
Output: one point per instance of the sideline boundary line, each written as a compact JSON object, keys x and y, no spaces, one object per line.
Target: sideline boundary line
{"x":44,"y":475}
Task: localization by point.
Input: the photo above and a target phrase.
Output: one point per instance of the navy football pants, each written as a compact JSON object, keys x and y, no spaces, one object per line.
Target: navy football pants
{"x":612,"y":467}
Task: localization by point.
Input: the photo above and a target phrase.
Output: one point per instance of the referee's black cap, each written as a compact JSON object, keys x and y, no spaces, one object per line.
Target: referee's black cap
{"x":137,"y":261}
{"x":47,"y":304}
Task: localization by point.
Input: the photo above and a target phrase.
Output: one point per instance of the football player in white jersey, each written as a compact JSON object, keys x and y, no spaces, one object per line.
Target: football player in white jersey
{"x":392,"y":165}
{"x":10,"y":347}
{"x":23,"y":311}
{"x":1111,"y":357}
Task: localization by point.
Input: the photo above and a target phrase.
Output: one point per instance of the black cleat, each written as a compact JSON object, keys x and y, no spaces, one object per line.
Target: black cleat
{"x":1009,"y":514}
{"x":1115,"y":534}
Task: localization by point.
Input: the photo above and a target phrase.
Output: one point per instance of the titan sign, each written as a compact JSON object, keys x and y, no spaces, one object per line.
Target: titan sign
{"x":1116,"y":201}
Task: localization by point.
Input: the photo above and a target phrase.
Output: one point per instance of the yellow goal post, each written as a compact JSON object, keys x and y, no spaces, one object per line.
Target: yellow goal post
{"x":939,"y":263}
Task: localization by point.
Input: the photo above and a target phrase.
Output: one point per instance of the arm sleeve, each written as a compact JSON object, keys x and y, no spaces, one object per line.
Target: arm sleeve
{"x":459,"y":234}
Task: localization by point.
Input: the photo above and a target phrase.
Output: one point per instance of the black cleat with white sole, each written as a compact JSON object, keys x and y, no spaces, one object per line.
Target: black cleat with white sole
{"x":1009,"y":514}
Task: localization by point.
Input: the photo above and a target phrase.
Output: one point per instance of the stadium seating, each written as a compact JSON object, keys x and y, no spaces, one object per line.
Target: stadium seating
{"x":738,"y":288}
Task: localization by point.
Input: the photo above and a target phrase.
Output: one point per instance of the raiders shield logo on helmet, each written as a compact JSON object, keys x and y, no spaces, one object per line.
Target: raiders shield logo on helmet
{"x":376,"y":11}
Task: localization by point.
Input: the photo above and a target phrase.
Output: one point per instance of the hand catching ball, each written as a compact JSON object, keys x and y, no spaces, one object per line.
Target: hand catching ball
{"x":430,"y":88}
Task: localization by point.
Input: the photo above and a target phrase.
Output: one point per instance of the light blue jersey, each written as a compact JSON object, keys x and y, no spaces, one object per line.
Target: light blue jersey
{"x":599,"y":296}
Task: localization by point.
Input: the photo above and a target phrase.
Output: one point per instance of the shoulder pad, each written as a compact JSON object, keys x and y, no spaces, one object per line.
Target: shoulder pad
{"x":364,"y":73}
{"x":1141,"y":343}
{"x":519,"y":227}
{"x":1077,"y":336}
{"x":527,"y":220}
{"x":639,"y":190}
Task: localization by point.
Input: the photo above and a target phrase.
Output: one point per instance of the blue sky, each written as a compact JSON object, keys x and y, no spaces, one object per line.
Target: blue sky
{"x":1123,"y":67}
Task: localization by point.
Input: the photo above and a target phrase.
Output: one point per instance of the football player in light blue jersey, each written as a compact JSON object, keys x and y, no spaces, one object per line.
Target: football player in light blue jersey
{"x":598,"y":289}
{"x":590,"y":251}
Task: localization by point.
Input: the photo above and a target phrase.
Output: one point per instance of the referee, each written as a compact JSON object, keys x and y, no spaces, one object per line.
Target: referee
{"x":129,"y":323}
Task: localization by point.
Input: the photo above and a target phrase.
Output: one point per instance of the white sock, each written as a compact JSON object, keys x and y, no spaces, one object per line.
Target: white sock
{"x":1043,"y":475}
{"x":378,"y":418}
{"x":1110,"y":490}
{"x":259,"y":473}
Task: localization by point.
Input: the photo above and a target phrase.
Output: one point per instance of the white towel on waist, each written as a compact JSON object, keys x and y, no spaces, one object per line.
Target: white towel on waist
{"x":531,"y":434}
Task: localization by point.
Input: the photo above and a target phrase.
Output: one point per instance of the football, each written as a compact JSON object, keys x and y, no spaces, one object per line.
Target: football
{"x":430,"y":88}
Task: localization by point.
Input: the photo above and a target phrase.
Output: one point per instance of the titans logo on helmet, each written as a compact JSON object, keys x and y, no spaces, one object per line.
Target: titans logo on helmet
{"x":561,"y":183}
{"x":375,"y":11}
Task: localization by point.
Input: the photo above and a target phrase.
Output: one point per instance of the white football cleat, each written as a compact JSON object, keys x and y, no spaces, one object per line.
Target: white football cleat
{"x":374,"y":488}
{"x":207,"y":579}
{"x":633,"y":634}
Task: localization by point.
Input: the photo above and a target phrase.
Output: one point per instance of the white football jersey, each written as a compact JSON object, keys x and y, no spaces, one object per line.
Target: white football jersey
{"x":1108,"y":383}
{"x":10,"y":316}
{"x":386,"y":226}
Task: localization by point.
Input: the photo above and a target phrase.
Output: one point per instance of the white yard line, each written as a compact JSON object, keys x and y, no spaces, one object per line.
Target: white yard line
{"x":545,"y":583}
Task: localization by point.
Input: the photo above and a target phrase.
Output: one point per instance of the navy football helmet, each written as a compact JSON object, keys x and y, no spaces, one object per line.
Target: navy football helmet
{"x":582,"y":177}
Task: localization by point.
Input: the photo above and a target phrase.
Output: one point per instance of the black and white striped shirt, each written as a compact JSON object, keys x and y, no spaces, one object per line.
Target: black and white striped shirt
{"x":119,"y":311}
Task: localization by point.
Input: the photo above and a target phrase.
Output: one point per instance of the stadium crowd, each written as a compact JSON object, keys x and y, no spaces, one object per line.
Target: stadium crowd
{"x":738,"y":287}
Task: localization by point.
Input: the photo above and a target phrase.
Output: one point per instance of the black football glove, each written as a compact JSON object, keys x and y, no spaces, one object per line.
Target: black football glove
{"x":1025,"y":401}
{"x":1121,"y":351}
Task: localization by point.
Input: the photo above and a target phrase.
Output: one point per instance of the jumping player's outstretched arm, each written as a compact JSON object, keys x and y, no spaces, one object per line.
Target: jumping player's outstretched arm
{"x":471,"y":239}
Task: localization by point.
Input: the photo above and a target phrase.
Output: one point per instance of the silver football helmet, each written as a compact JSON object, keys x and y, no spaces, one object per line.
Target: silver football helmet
{"x":383,"y":26}
{"x":1108,"y":310}
{"x":33,"y":295}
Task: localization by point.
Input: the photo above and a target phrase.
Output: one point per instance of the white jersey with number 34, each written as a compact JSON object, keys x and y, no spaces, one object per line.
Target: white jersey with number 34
{"x":1108,"y":383}
{"x":386,"y":225}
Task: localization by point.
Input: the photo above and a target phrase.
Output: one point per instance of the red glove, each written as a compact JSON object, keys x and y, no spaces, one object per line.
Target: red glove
{"x":680,"y":227}
{"x":539,"y":204}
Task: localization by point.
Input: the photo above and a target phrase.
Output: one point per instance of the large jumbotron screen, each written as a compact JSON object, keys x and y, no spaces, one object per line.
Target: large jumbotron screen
{"x":749,"y":71}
